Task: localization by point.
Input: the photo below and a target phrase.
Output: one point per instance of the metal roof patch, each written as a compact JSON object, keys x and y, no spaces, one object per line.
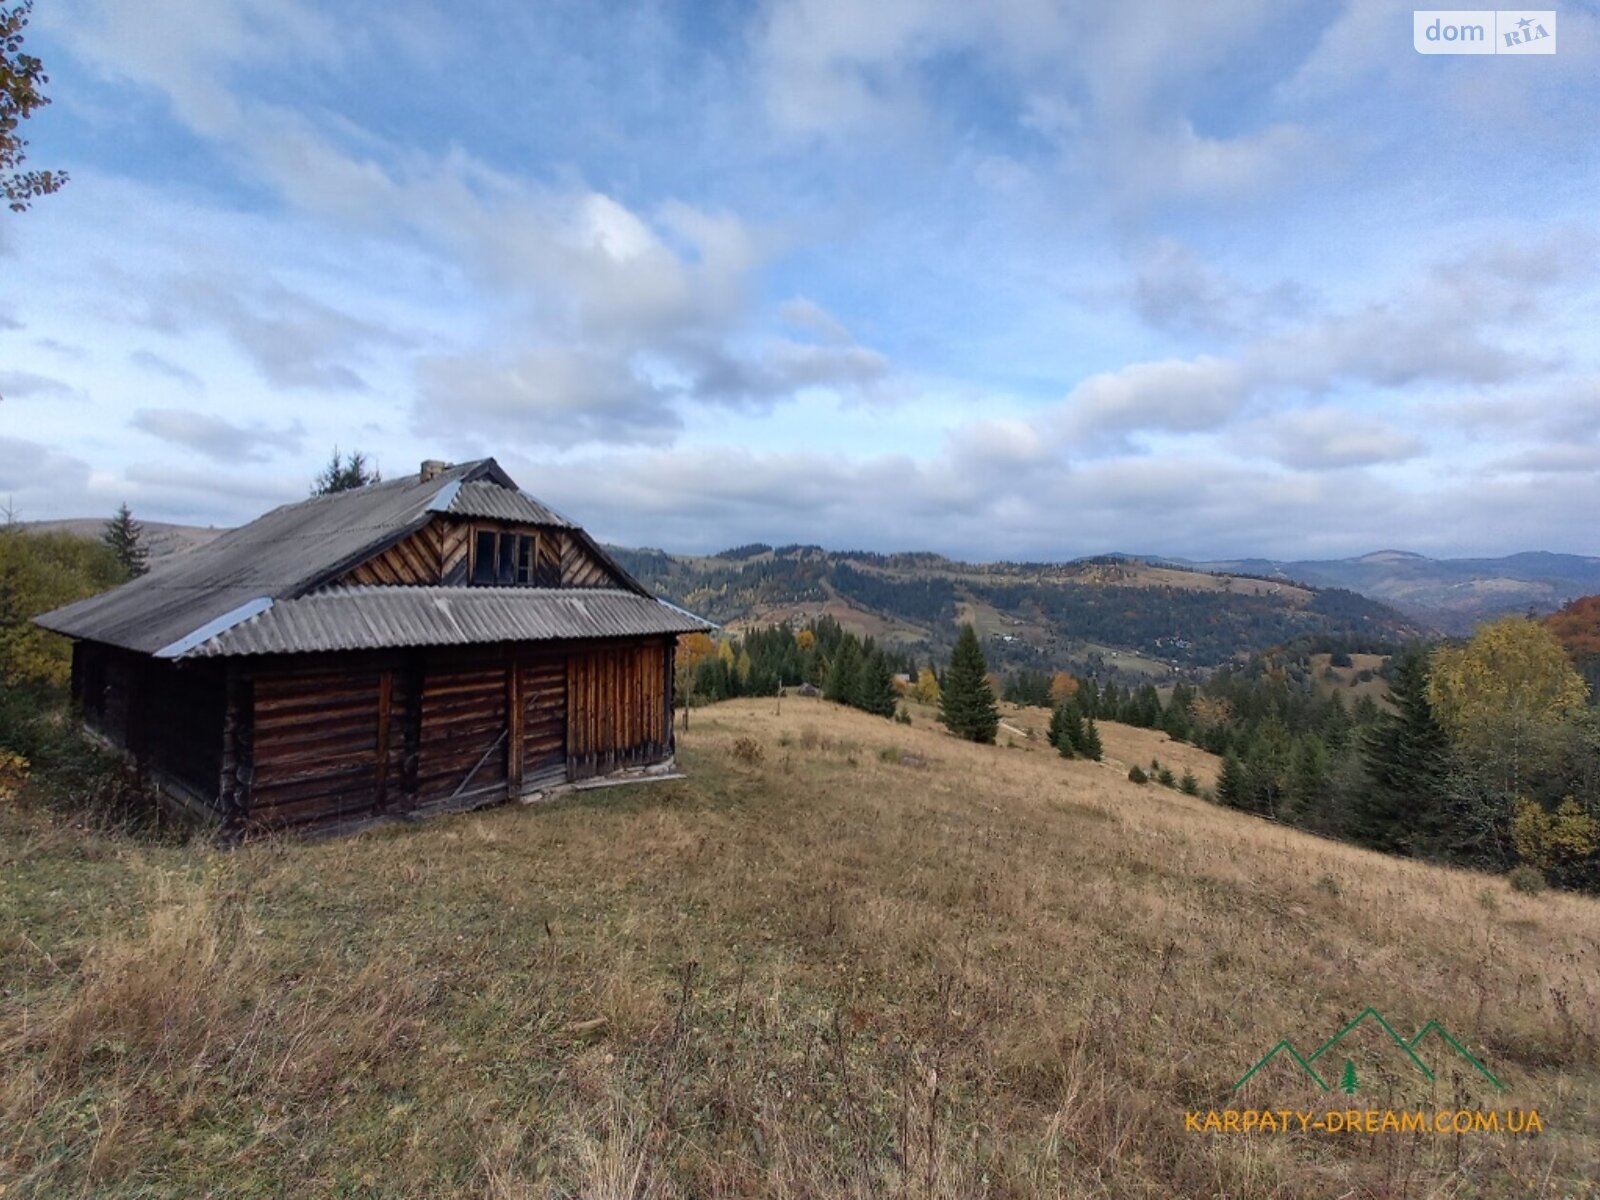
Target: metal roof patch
{"x":237,"y":616}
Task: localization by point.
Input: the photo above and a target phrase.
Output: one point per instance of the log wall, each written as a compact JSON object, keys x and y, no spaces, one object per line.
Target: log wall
{"x":323,"y":740}
{"x":305,"y":740}
{"x":617,"y":714}
{"x":463,"y":748}
{"x":168,"y":716}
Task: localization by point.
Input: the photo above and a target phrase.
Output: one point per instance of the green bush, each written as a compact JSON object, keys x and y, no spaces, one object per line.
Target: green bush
{"x":1189,"y":785}
{"x":1165,"y":778}
{"x":1136,"y":775}
{"x":38,"y":572}
{"x":1526,"y":879}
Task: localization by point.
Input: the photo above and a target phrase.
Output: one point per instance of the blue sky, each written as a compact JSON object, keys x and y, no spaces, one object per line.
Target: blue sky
{"x":1025,"y":279}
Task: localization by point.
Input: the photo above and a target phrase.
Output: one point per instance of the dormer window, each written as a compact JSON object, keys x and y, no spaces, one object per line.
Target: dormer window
{"x":502,"y":559}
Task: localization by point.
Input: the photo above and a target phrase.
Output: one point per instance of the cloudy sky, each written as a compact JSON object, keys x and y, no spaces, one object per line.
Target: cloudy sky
{"x":1016,"y":279}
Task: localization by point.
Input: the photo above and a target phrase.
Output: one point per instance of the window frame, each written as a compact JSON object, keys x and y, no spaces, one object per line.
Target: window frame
{"x":504,"y":557}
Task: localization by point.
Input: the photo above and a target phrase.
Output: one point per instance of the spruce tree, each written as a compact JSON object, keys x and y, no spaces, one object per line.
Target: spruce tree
{"x":1090,"y":746}
{"x":843,"y":671}
{"x":1088,"y":698}
{"x":125,"y":536}
{"x":1406,"y":753}
{"x":1110,"y":702}
{"x":345,"y":473}
{"x":1073,"y":730}
{"x":967,"y":705}
{"x":875,"y":686}
{"x":1058,"y":728}
{"x":1233,"y":788}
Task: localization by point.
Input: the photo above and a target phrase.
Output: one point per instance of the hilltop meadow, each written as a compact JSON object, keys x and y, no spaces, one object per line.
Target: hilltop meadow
{"x":843,"y":958}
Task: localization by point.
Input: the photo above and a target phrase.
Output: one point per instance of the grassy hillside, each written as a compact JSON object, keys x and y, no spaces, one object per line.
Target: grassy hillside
{"x":161,"y":539}
{"x":845,"y":958}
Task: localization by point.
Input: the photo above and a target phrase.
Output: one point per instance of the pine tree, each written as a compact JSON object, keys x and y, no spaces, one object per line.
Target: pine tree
{"x":1090,"y":746}
{"x":1308,"y":777}
{"x":1074,"y":733}
{"x":1348,"y":1083}
{"x":1406,"y":753}
{"x":345,"y":473}
{"x":1110,"y":702}
{"x":1088,"y":698}
{"x":1336,"y":723}
{"x":1233,"y":788}
{"x":843,"y":671}
{"x":1058,"y":727}
{"x":125,"y":537}
{"x":874,"y":690}
{"x":967,"y":705}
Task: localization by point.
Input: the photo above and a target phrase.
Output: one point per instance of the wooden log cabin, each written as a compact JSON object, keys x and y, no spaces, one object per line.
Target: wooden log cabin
{"x":425,"y":644}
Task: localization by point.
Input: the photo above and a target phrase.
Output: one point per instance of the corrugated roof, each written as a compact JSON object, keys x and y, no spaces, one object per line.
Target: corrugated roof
{"x":375,"y":618}
{"x":284,"y":555}
{"x":492,"y":500}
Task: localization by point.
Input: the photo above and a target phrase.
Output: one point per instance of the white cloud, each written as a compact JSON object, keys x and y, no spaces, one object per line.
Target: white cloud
{"x":1321,"y":438}
{"x":20,"y":385}
{"x":217,"y":439}
{"x":548,"y":396}
{"x":293,"y":339}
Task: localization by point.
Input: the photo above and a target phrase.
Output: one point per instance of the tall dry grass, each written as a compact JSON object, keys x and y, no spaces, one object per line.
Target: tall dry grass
{"x":867,"y":961}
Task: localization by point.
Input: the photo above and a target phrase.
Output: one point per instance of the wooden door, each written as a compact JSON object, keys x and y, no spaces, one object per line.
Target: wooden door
{"x":542,"y":692}
{"x":463,"y":747}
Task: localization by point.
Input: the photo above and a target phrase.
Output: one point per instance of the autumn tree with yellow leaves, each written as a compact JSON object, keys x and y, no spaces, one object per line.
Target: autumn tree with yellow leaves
{"x":1502,"y":693}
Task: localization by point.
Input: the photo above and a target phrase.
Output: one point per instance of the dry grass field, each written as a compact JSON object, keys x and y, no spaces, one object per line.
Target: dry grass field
{"x":1346,"y":681}
{"x":845,"y":958}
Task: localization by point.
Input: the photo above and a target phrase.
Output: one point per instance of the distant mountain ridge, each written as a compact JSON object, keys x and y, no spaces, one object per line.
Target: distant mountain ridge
{"x":1114,"y":615}
{"x":1174,"y":612}
{"x":1451,"y":594}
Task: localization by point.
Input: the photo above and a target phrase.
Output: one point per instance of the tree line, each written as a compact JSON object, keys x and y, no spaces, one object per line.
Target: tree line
{"x":1486,"y":753}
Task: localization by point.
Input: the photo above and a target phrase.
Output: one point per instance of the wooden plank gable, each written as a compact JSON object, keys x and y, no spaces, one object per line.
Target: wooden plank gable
{"x":444,"y":552}
{"x":581,"y":569}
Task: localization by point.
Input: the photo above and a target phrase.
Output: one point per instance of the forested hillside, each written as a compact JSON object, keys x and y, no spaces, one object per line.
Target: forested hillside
{"x":1116,"y":615}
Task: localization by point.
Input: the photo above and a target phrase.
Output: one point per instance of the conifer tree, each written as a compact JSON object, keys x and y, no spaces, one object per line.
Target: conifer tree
{"x":1073,"y":729}
{"x":344,"y":473}
{"x":1088,"y":698}
{"x":125,"y":536}
{"x":1090,"y":746}
{"x":843,"y":671}
{"x":1058,"y":727}
{"x":967,"y":705}
{"x":1110,"y":702}
{"x":1406,"y":755}
{"x":1233,"y":788}
{"x":875,"y":686}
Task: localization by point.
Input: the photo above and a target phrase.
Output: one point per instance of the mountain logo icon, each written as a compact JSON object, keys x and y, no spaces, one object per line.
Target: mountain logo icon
{"x":1348,"y":1083}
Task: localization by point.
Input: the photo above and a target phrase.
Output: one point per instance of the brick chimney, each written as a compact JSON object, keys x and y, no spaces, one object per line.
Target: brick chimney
{"x":432,"y":468}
